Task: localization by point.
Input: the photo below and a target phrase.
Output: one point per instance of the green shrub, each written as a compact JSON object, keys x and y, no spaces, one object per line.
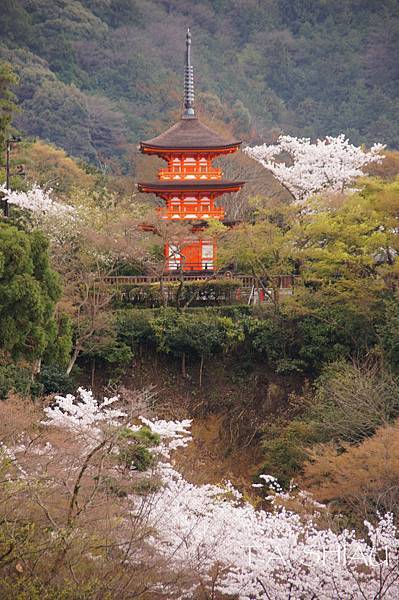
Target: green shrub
{"x":273,"y":336}
{"x":134,"y":447}
{"x":144,"y":436}
{"x":285,"y":449}
{"x":55,"y":381}
{"x":212,"y":291}
{"x":133,"y":327}
{"x":58,"y":351}
{"x":235,"y":311}
{"x":138,"y":294}
{"x":16,"y":379}
{"x":138,"y":457}
{"x":114,"y":353}
{"x":287,"y":366}
{"x":197,"y":292}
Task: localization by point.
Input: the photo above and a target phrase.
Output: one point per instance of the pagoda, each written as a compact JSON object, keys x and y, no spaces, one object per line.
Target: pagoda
{"x":189,"y":185}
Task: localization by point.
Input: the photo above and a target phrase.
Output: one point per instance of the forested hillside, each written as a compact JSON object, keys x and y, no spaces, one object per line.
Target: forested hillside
{"x":96,"y":76}
{"x":212,"y":429}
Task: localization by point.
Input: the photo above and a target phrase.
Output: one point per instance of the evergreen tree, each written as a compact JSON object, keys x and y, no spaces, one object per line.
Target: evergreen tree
{"x":29,"y":289}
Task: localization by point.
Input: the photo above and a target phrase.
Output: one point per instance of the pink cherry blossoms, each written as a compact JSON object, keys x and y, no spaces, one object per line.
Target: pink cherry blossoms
{"x":37,"y":200}
{"x":331,"y":164}
{"x":230,"y":546}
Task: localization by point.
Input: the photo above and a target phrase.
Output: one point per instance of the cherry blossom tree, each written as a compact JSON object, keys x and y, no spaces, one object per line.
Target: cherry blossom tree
{"x":229,"y":546}
{"x":37,"y":200}
{"x":60,"y":222}
{"x":331,"y":164}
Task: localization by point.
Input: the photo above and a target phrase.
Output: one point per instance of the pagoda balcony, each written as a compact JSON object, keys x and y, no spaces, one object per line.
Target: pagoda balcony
{"x":189,"y":173}
{"x":188,"y":213}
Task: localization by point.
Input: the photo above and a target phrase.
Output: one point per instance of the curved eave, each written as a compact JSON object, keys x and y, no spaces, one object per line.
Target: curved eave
{"x":162,"y":188}
{"x":165,"y":150}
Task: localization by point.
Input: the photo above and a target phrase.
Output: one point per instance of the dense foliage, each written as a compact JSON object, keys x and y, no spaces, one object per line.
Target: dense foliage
{"x":98,"y":76}
{"x":29,"y":289}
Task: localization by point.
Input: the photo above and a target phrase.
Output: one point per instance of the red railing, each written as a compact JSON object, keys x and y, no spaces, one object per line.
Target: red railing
{"x":195,"y":266}
{"x":190,"y":173}
{"x":185,"y":212}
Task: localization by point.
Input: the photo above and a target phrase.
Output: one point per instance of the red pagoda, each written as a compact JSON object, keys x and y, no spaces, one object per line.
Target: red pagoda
{"x":189,"y":185}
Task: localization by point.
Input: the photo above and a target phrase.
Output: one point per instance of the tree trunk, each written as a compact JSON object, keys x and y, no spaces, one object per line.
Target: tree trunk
{"x":74,"y":356}
{"x":201,"y":370}
{"x":36,"y":367}
{"x":179,"y":289}
{"x":162,"y":294}
{"x":178,"y":294}
{"x":183,"y":364}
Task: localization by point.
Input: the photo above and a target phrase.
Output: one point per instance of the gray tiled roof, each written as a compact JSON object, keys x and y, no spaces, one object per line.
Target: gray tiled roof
{"x":189,"y":133}
{"x":191,"y":184}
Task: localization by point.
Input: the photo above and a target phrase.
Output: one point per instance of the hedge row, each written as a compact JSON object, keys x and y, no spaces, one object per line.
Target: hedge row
{"x":212,"y":292}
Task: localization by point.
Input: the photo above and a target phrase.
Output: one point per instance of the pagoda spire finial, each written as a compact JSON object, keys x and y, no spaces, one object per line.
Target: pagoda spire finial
{"x":188,"y":112}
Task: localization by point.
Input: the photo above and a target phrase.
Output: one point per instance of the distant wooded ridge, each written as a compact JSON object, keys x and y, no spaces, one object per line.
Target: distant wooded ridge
{"x":96,"y":77}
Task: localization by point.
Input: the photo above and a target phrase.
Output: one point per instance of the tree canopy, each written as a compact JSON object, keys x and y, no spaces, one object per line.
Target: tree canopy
{"x":29,"y":289}
{"x":97,"y":77}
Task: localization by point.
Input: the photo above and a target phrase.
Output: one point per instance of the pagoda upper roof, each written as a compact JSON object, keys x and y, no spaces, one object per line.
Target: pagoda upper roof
{"x":189,"y":134}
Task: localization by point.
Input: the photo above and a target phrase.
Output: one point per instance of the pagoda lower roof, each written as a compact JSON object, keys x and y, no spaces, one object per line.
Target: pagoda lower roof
{"x":190,"y":186}
{"x":188,"y":134}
